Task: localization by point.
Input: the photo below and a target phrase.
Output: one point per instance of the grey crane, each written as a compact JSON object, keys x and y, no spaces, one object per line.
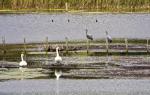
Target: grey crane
{"x":108,"y":37}
{"x":88,"y":36}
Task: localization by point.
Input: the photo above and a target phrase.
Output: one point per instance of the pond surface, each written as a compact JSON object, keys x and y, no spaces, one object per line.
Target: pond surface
{"x":35,"y":27}
{"x":39,"y":81}
{"x":75,"y":87}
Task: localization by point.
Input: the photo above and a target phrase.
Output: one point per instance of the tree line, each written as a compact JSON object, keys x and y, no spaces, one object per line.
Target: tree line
{"x":99,"y":5}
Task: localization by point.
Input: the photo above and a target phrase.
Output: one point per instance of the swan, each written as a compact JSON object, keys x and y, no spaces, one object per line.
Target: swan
{"x":58,"y":59}
{"x":22,"y":63}
{"x":58,"y":73}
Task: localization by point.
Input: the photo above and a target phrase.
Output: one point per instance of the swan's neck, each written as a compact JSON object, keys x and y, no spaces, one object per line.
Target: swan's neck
{"x":22,"y":58}
{"x":57,"y":54}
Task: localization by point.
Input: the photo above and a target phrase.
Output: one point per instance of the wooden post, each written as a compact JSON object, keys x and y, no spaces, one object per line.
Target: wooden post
{"x":25,"y":48}
{"x":3,"y":41}
{"x":118,"y":5}
{"x":126,"y":43}
{"x":87,"y":46}
{"x":147,"y":45}
{"x":25,"y":45}
{"x":4,"y":51}
{"x":66,"y":44}
{"x":97,"y":5}
{"x":46,"y":46}
{"x":107,"y":46}
{"x":66,"y":5}
{"x":149,"y":8}
{"x":46,"y":50}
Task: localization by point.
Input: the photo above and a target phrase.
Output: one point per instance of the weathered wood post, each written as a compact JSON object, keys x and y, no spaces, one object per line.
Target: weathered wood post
{"x":126,"y":43}
{"x":66,"y":6}
{"x":4,"y":50}
{"x":118,"y":6}
{"x":147,"y":45}
{"x":66,"y":39}
{"x":25,"y":46}
{"x":107,"y":46}
{"x":97,"y":5}
{"x":87,"y":45}
{"x":46,"y":46}
{"x":3,"y":41}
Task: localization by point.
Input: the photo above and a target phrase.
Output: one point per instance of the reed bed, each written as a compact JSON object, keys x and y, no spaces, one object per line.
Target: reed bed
{"x":89,"y":5}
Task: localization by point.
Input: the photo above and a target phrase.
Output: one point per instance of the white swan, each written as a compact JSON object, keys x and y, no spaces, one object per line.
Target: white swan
{"x":58,"y":73}
{"x":22,"y":63}
{"x":58,"y":59}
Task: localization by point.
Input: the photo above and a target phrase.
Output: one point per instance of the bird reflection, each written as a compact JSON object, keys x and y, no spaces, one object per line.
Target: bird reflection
{"x":22,"y":72}
{"x":58,"y":73}
{"x":108,"y":60}
{"x":57,"y":87}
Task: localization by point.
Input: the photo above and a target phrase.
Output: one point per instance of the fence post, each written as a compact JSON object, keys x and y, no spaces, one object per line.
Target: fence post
{"x":147,"y":45}
{"x":107,"y":46}
{"x":4,"y":51}
{"x":25,"y":45}
{"x":46,"y":46}
{"x":97,"y":5}
{"x":126,"y":43}
{"x":66,"y":6}
{"x":87,"y":46}
{"x":66,"y":39}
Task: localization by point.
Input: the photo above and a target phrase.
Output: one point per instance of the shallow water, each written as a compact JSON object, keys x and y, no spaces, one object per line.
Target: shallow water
{"x":35,"y":27}
{"x":38,"y":81}
{"x":75,"y":87}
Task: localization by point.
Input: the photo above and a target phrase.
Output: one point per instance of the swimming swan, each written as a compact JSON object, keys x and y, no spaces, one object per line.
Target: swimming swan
{"x":22,"y":63}
{"x":58,"y":59}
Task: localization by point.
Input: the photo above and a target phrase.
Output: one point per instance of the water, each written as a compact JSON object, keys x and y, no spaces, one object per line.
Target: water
{"x":38,"y":81}
{"x":75,"y":87}
{"x":35,"y":27}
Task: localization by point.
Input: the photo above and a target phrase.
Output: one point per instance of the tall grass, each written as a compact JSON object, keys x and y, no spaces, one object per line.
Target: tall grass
{"x":97,"y":5}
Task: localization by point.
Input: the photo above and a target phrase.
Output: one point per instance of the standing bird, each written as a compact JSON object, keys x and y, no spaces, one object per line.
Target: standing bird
{"x":88,"y":36}
{"x":108,"y":37}
{"x":23,"y":62}
{"x":58,"y":59}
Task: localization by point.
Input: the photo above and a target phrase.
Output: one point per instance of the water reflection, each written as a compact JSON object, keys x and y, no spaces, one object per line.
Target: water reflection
{"x":58,"y":73}
{"x":108,"y":60}
{"x":22,"y":72}
{"x":57,"y":87}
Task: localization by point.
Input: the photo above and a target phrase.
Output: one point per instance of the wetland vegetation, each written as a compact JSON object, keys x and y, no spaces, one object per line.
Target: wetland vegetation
{"x":74,"y":5}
